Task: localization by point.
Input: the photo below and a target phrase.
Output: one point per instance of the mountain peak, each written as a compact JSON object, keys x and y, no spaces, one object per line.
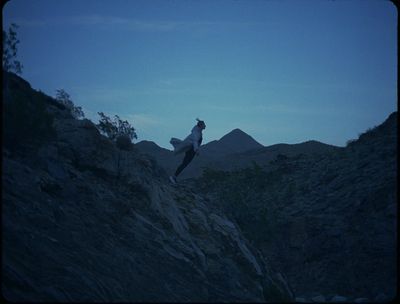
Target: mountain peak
{"x":238,"y":137}
{"x":235,"y":141}
{"x":235,"y":133}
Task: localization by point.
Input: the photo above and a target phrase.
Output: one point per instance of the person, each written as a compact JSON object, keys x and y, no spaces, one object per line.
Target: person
{"x":190,"y":145}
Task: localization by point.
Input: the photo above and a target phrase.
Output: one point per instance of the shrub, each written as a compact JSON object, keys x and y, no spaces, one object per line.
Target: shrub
{"x":116,"y":128}
{"x":10,"y":41}
{"x":63,"y":98}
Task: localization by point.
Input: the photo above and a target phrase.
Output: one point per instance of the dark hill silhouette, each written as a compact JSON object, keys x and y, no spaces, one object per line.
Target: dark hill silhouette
{"x":234,"y":150}
{"x":150,"y":147}
{"x":235,"y":141}
{"x":262,"y":156}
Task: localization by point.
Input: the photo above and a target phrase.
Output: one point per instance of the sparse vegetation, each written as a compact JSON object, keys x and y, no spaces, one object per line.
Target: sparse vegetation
{"x":65,"y":99}
{"x":116,"y":128}
{"x":10,"y":50}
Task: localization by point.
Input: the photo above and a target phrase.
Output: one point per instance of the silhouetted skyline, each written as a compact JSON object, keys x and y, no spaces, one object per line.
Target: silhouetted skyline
{"x":281,"y":71}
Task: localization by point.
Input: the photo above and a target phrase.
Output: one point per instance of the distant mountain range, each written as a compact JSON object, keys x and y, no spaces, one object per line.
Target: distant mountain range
{"x":234,"y":150}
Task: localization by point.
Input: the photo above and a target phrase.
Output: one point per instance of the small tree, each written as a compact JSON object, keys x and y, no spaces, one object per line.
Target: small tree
{"x":64,"y":98}
{"x":10,"y":42}
{"x":115,"y":128}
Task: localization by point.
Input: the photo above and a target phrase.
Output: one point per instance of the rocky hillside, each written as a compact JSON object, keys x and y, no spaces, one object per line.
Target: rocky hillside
{"x":328,"y":221}
{"x":84,"y":221}
{"x":163,"y":157}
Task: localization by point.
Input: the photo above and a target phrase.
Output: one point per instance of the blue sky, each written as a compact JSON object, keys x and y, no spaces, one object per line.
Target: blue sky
{"x":282,"y":71}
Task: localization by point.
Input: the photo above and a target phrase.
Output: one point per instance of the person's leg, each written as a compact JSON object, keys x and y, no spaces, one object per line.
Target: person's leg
{"x":188,"y":158}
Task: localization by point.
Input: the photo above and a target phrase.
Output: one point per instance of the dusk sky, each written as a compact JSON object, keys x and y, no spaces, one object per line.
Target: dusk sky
{"x":281,"y":71}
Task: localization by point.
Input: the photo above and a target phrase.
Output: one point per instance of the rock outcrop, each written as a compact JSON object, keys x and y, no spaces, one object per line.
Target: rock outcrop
{"x":86,"y":221}
{"x":328,"y":221}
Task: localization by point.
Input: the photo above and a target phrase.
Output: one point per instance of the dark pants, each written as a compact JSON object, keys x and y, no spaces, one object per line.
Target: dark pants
{"x":188,"y":158}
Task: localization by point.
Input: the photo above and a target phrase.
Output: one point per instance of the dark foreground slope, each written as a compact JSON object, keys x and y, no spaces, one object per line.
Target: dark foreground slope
{"x":328,"y":221}
{"x":84,"y":221}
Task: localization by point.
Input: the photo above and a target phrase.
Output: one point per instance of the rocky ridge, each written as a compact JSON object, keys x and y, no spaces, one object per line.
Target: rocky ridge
{"x":327,"y":221}
{"x":84,"y":221}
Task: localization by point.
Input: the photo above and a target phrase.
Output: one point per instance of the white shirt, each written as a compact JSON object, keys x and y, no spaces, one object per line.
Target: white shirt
{"x":193,"y":139}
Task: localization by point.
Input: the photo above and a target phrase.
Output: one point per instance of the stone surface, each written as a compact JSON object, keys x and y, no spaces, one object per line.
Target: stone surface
{"x":86,"y":222}
{"x":338,"y":299}
{"x":361,"y":300}
{"x":300,"y":300}
{"x":318,"y":299}
{"x":327,"y":221}
{"x":382,"y":297}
